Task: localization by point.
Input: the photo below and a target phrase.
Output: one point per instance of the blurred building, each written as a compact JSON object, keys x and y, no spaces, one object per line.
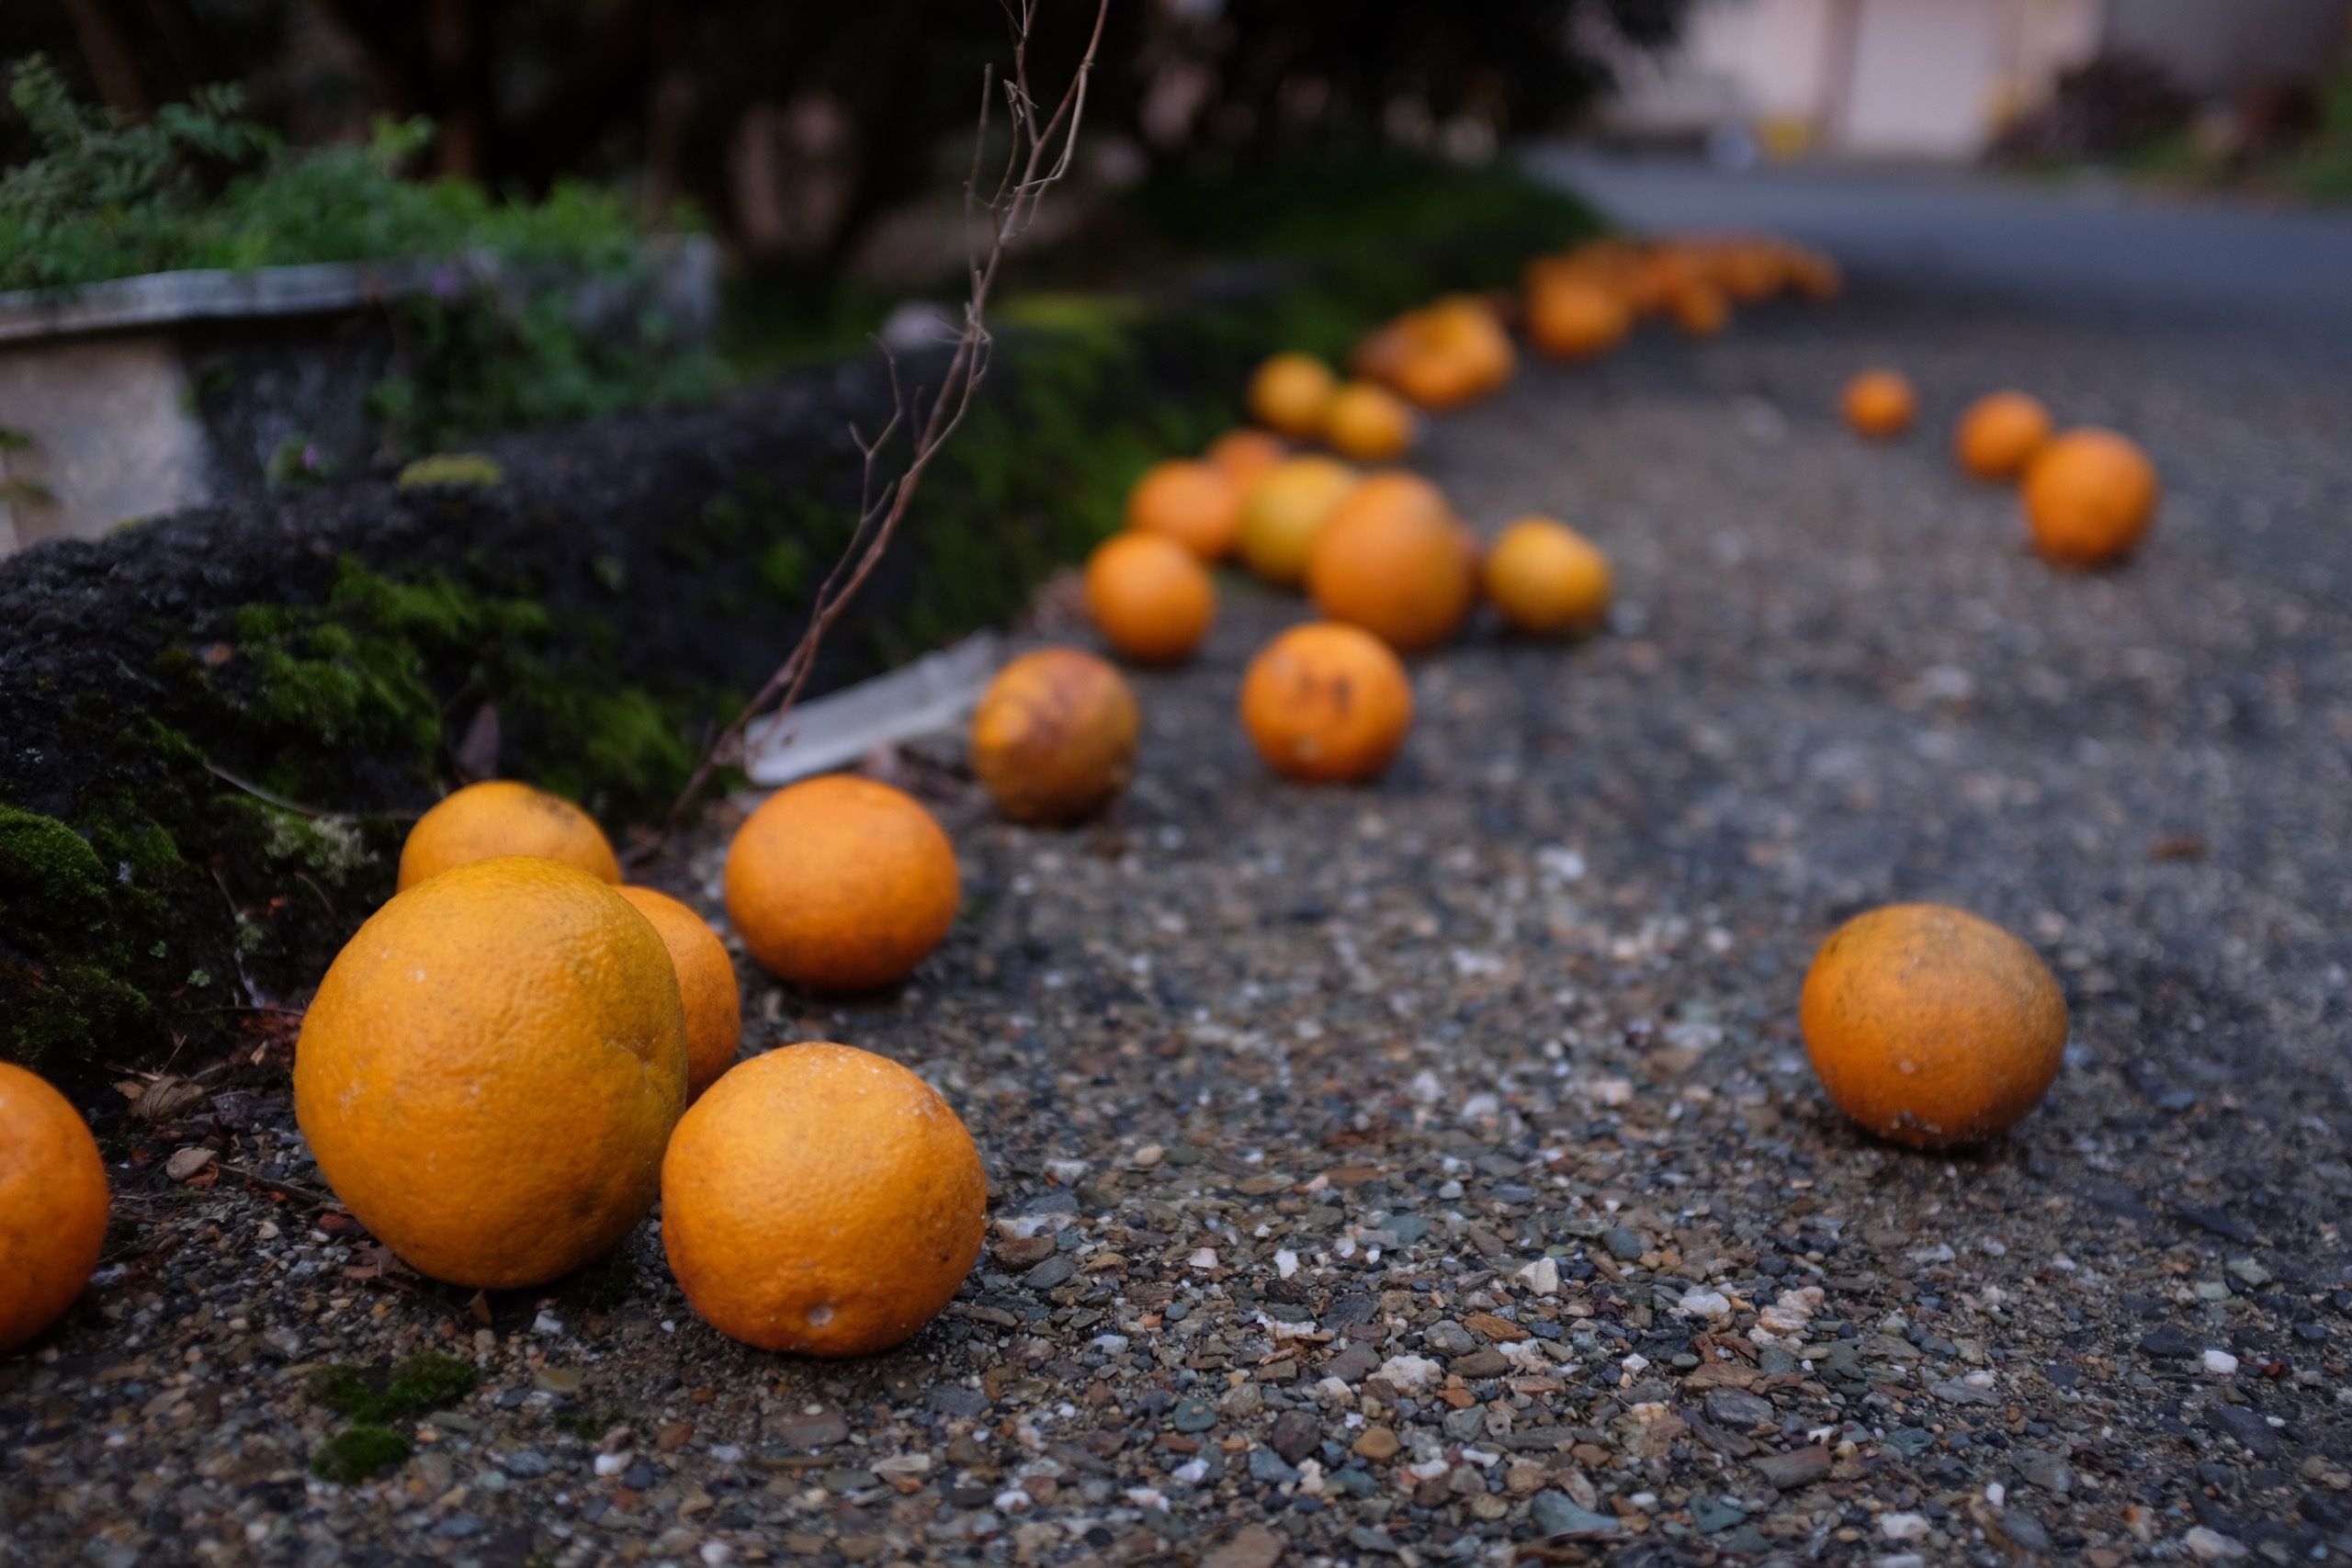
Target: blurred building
{"x":1940,"y":78}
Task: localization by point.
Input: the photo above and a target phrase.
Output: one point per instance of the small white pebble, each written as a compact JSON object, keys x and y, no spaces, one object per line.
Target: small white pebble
{"x":2212,"y":1546}
{"x":1542,"y":1277}
{"x":1997,"y":1494}
{"x":1286,"y":1262}
{"x":547,"y":1323}
{"x":1903,"y":1527}
{"x":1204,"y":1258}
{"x":612,"y":1465}
{"x":2221,"y":1363}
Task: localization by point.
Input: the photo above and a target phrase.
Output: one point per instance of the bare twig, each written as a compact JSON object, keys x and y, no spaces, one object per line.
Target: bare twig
{"x":1039,"y":155}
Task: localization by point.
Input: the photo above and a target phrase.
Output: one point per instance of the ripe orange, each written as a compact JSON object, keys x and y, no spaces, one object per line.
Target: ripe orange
{"x":1369,"y":424}
{"x":1244,"y":455}
{"x":1149,"y":597}
{"x":706,"y":984}
{"x":1054,"y":736}
{"x":1999,"y":433}
{"x":1930,"y":1026}
{"x":1879,"y":404}
{"x":1437,"y":380}
{"x":2089,"y":497}
{"x":1389,"y":559}
{"x":1575,"y":319}
{"x":1282,"y":512}
{"x":1698,"y":308}
{"x":1190,"y":503}
{"x":1291,"y":392}
{"x":1327,"y":703}
{"x":1548,"y":579}
{"x":490,"y":1069}
{"x":503,"y":818}
{"x":841,"y":883}
{"x":821,"y":1200}
{"x":53,"y":1205}
{"x":1816,"y":277}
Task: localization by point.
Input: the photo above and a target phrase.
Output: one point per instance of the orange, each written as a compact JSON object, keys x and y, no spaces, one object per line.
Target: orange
{"x":1244,"y":455}
{"x":1548,"y":579}
{"x":1149,"y":597}
{"x":1437,"y":380}
{"x":1698,"y":308}
{"x":1816,"y":277}
{"x":1369,"y":424}
{"x":1190,"y":503}
{"x":490,"y":1069}
{"x":1389,"y":559}
{"x":1930,"y":1026}
{"x":1327,"y":703}
{"x":1282,"y":512}
{"x":841,"y":883}
{"x":1575,"y":319}
{"x":2089,"y":497}
{"x":1879,"y":404}
{"x":706,"y":984}
{"x":1291,"y":392}
{"x":821,"y":1200}
{"x":1999,"y":433}
{"x":53,"y":1205}
{"x":1054,"y":736}
{"x":503,"y":818}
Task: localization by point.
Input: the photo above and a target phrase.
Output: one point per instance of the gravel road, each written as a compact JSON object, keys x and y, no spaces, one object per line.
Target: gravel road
{"x":1431,"y":1172}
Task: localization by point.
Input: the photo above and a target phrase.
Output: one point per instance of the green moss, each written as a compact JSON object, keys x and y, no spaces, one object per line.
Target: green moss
{"x":452,"y":470}
{"x":425,"y":1382}
{"x":359,"y":1453}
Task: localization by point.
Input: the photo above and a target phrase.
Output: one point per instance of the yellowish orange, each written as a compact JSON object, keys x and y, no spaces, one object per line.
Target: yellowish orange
{"x":1149,"y":597}
{"x":1548,"y":580}
{"x":1577,"y":318}
{"x":1389,"y":559}
{"x":490,"y":1069}
{"x":1327,"y":703}
{"x":1931,"y":1026}
{"x":821,"y":1200}
{"x":1282,"y":512}
{"x":706,"y":986}
{"x":2090,"y":496}
{"x":1193,"y":503}
{"x":1291,"y":393}
{"x":501,"y":817}
{"x":54,"y":1205}
{"x":841,"y":883}
{"x":1999,"y":433}
{"x":1879,"y":404}
{"x":1369,"y":424}
{"x":1245,"y":456}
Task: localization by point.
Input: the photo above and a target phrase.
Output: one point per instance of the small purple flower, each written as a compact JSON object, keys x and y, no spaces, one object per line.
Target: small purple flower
{"x":448,"y":282}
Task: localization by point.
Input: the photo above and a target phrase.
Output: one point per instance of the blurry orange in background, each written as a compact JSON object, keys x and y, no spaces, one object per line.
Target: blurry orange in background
{"x":1284,"y":512}
{"x":1193,"y":503}
{"x":1149,"y":597}
{"x":1879,"y":404}
{"x":1243,"y":456}
{"x":1390,"y":560}
{"x":1999,"y":433}
{"x":1291,"y":393}
{"x":1698,"y":308}
{"x":1442,"y":356}
{"x":2089,"y":497}
{"x":1369,"y":424}
{"x":1576,"y":316}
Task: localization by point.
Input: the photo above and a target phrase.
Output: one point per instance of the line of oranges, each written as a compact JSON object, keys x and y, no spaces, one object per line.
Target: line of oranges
{"x":516,"y":1055}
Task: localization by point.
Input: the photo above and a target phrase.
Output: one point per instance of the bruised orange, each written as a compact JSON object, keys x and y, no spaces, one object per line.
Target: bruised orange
{"x":1327,"y":703}
{"x":503,"y":818}
{"x":54,"y":1205}
{"x":821,"y":1200}
{"x":1931,"y":1026}
{"x":705,"y":985}
{"x":1575,"y":319}
{"x":1390,"y":560}
{"x":1548,"y":579}
{"x":2089,"y":497}
{"x":1369,"y":424}
{"x":1149,"y":597}
{"x":1054,"y":736}
{"x":1879,"y":404}
{"x":1193,"y":503}
{"x":841,"y":883}
{"x":1291,"y":393}
{"x":1245,"y":456}
{"x":1998,"y":434}
{"x":490,"y":1069}
{"x":1285,"y":510}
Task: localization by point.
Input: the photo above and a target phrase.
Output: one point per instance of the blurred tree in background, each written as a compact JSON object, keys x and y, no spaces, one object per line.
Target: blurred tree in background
{"x":799,"y":128}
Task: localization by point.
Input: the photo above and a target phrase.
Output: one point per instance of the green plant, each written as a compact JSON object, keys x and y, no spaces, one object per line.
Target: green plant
{"x":423,"y":1381}
{"x":359,"y":1453}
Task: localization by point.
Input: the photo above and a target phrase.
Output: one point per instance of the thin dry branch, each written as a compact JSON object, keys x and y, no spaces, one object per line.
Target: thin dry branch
{"x":1039,"y":155}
